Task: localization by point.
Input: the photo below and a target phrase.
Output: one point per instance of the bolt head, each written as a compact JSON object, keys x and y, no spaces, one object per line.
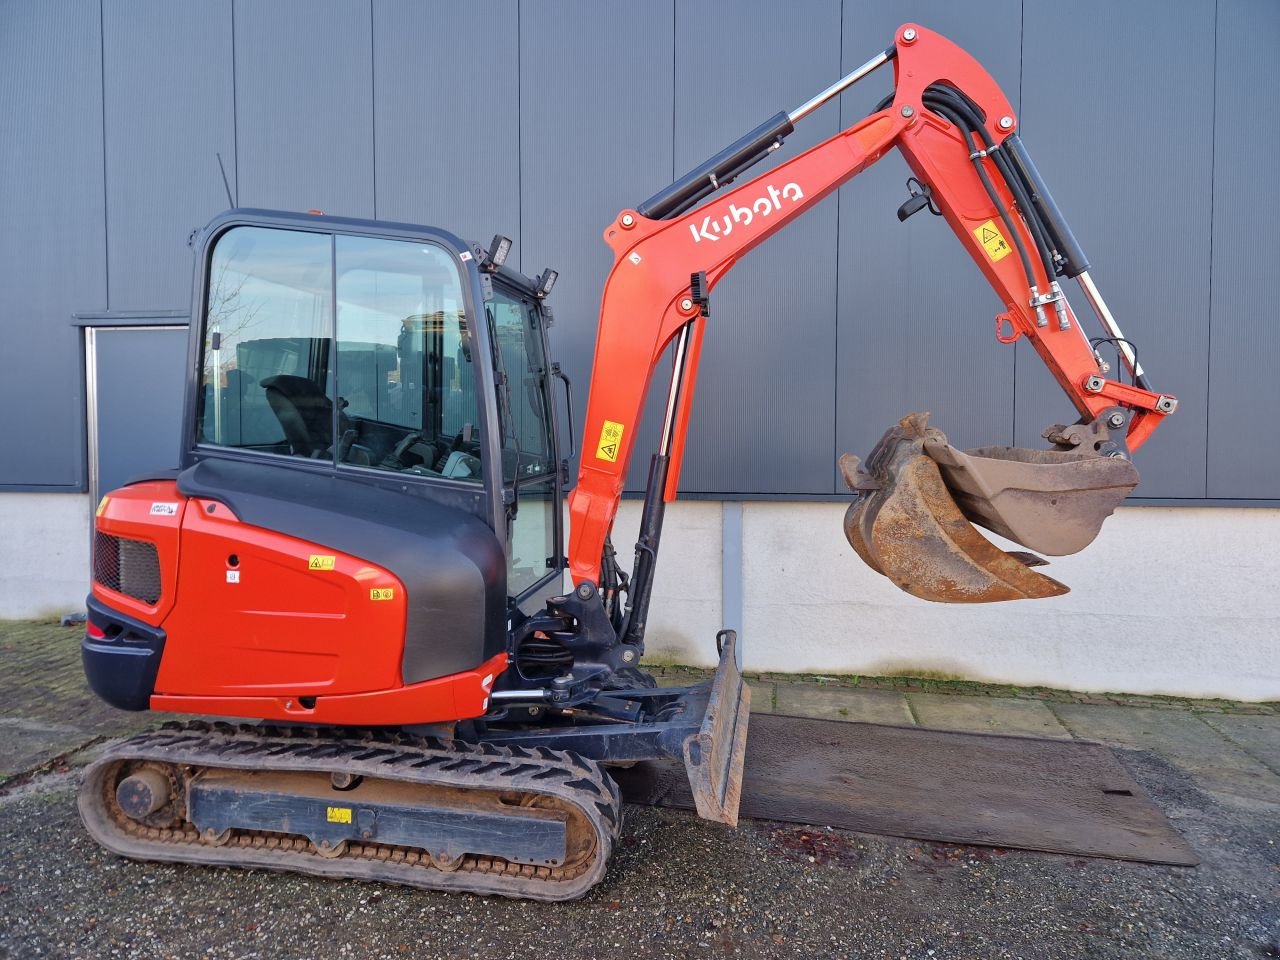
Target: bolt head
{"x":628,"y":220}
{"x":686,"y":304}
{"x":628,"y":655}
{"x":908,"y":35}
{"x":585,"y":590}
{"x":1116,"y":420}
{"x":908,"y":111}
{"x":1006,"y":123}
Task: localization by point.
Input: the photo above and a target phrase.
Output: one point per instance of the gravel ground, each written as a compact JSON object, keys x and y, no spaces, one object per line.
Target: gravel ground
{"x":678,"y":887}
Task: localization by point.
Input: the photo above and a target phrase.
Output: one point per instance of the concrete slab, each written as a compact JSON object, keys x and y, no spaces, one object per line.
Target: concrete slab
{"x":1183,"y":738}
{"x":1257,"y":736}
{"x":27,"y":744}
{"x":987,"y":715}
{"x":843,"y":703}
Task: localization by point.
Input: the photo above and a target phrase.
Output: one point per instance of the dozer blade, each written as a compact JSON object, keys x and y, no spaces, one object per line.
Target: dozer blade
{"x":906,"y":525}
{"x":713,"y":757}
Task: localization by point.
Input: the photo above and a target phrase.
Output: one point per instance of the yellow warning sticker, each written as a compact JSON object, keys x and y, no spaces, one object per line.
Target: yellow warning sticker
{"x":993,"y":240}
{"x":610,"y":441}
{"x":102,"y":506}
{"x":339,"y":814}
{"x":382,"y":593}
{"x":318,"y":562}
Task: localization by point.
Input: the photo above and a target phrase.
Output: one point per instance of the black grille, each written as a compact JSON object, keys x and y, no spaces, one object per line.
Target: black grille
{"x":131,"y":567}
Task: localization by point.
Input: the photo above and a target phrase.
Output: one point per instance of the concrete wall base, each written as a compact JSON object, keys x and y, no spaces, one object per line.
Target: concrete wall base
{"x":47,"y":541}
{"x":1168,"y":600}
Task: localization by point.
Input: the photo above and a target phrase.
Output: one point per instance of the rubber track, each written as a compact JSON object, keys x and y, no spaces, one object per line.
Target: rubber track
{"x":375,"y":754}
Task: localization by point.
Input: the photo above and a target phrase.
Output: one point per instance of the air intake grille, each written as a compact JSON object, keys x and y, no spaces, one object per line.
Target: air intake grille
{"x":131,"y":567}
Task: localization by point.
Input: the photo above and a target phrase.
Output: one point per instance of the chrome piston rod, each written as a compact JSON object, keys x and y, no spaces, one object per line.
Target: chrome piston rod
{"x":841,"y":85}
{"x":1109,"y":323}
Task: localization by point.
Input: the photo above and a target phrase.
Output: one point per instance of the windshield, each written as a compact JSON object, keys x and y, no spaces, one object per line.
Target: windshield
{"x":520,"y":355}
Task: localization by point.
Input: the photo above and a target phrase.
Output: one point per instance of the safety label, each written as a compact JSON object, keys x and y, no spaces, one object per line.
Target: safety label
{"x":382,"y":593}
{"x":993,"y":240}
{"x":339,"y":814}
{"x":610,"y":441}
{"x":233,"y":576}
{"x":164,"y":509}
{"x":318,"y":562}
{"x":102,"y":506}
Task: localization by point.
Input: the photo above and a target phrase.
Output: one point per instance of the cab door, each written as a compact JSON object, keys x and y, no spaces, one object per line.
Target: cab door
{"x":530,"y":462}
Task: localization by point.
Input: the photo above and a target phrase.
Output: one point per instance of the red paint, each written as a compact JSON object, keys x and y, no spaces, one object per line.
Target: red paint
{"x":256,"y":643}
{"x":459,"y":696}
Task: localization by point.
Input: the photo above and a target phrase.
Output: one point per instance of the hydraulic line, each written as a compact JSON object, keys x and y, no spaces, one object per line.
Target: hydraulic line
{"x":944,"y":111}
{"x":963,"y":107}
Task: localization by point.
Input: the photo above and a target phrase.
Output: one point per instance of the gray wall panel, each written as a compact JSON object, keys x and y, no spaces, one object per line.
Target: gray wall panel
{"x":139,"y":424}
{"x":304,"y":105}
{"x":916,"y":315}
{"x":1246,"y":248}
{"x":595,"y":137}
{"x":1123,"y":146}
{"x":169,"y":110}
{"x":52,"y":233}
{"x":447,"y":134}
{"x":764,"y":415}
{"x":542,"y":120}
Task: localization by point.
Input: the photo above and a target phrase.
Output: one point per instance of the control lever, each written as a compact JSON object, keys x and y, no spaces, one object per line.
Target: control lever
{"x":921,"y":196}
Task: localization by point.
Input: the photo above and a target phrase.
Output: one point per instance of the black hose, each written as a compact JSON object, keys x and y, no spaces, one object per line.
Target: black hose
{"x":969,"y":111}
{"x":945,"y":111}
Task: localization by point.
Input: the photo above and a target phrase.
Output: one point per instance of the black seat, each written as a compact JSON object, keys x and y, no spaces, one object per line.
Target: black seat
{"x":304,"y":412}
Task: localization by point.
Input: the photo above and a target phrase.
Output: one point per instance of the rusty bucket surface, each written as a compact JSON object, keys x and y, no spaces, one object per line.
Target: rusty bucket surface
{"x":918,"y":494}
{"x":1049,"y":501}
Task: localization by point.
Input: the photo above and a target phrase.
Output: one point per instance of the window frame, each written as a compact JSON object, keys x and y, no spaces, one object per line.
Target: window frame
{"x":454,"y":491}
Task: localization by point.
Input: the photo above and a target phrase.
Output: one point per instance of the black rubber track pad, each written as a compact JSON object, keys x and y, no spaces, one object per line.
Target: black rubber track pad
{"x":1059,"y":796}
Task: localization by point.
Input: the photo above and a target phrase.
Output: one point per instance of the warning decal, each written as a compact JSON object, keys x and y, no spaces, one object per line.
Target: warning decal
{"x":338,"y":814}
{"x":610,"y":441}
{"x":993,"y":240}
{"x":382,"y":593}
{"x":318,"y":562}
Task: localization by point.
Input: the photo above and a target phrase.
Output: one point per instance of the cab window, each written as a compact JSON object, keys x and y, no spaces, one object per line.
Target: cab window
{"x":405,"y":373}
{"x":268,"y":323}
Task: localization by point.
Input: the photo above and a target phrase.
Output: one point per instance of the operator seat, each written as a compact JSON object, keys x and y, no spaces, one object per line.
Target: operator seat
{"x":304,"y":412}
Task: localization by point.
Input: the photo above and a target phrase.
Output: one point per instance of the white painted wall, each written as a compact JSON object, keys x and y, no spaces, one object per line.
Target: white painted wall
{"x":45,"y":538}
{"x":1167,"y":600}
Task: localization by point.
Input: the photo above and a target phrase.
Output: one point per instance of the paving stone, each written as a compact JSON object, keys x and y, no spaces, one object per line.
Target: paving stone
{"x":987,"y":715}
{"x":1184,"y":738}
{"x":761,"y":696}
{"x":1257,"y":736}
{"x":843,"y":703}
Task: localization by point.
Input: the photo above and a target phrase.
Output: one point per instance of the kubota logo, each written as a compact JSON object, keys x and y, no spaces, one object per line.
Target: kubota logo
{"x":767,"y":203}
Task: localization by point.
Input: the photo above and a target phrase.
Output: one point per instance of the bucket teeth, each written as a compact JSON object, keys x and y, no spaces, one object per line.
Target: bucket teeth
{"x":917,"y":496}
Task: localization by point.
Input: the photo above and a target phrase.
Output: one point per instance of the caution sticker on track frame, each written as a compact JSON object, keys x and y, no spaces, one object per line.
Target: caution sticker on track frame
{"x":338,"y":814}
{"x":993,"y":241}
{"x":610,"y":441}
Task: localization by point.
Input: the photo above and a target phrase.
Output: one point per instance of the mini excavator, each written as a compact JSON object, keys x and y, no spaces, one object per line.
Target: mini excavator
{"x":361,"y":558}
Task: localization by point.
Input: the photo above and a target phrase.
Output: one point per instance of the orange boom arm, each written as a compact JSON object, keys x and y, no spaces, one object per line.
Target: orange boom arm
{"x":653,"y":298}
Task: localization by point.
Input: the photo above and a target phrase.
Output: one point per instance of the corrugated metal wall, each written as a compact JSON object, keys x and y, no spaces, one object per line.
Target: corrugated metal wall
{"x":542,"y":119}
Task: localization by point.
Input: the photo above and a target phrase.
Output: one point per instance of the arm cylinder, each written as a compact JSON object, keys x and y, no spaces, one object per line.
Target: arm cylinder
{"x":710,"y":175}
{"x":1064,"y":240}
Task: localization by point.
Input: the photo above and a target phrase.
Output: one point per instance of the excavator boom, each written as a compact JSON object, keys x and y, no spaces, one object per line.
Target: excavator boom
{"x":958,"y":134}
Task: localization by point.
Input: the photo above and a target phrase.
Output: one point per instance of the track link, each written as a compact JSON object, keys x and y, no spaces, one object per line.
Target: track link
{"x":562,"y":782}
